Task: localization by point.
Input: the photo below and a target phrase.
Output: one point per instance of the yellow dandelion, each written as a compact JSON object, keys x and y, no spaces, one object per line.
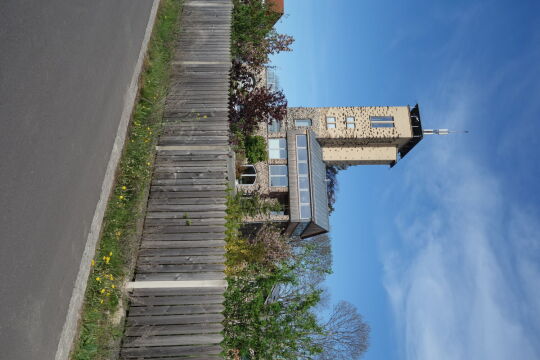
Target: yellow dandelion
{"x":110,"y":254}
{"x":121,"y":197}
{"x":112,"y":278}
{"x":98,"y":279}
{"x":93,"y":263}
{"x":107,"y":259}
{"x":108,"y":294}
{"x":102,"y":291}
{"x":124,"y":188}
{"x":112,"y":286}
{"x":148,"y":163}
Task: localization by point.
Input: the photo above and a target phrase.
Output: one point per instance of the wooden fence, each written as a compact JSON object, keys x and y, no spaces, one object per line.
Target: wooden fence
{"x":177,"y":292}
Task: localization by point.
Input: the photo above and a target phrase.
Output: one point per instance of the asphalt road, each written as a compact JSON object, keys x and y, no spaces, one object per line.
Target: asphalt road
{"x":65,"y":66}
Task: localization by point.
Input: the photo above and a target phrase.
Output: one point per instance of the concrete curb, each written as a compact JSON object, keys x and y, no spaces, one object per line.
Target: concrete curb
{"x":69,"y":330}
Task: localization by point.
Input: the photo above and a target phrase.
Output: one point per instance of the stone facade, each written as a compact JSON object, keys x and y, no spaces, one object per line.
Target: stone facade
{"x":347,"y":136}
{"x":363,"y":133}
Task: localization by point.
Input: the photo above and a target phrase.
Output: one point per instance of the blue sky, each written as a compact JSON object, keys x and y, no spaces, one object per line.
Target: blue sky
{"x":441,"y":254}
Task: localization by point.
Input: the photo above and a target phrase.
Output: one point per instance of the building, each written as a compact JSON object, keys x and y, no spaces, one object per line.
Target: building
{"x":309,"y":139}
{"x":277,"y":6}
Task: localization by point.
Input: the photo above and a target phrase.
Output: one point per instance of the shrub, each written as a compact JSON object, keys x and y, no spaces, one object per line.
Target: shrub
{"x":255,"y":149}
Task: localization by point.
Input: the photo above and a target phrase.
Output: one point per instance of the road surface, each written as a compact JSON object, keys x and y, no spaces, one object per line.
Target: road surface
{"x":65,"y":66}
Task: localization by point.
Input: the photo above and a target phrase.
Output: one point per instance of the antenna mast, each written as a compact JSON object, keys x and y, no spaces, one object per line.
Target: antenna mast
{"x":442,"y":132}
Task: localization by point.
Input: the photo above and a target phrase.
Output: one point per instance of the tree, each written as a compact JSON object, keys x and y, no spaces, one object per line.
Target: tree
{"x":332,"y":183}
{"x":258,"y":54}
{"x":276,"y":330}
{"x":346,"y":335}
{"x":261,"y":105}
{"x":311,"y":262}
{"x":253,"y":36}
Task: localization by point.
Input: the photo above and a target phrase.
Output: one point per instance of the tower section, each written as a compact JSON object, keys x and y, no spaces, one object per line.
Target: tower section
{"x":360,"y":135}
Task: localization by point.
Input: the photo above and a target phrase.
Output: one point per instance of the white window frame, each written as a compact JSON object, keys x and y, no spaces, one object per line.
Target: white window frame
{"x":305,"y":176}
{"x":305,"y":120}
{"x":350,"y":122}
{"x":286,"y":176}
{"x":330,"y":122}
{"x":249,"y":175}
{"x":279,"y":141}
{"x":274,"y":124}
{"x":382,"y":121}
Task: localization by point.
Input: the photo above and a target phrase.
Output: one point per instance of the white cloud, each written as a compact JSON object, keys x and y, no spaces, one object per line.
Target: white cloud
{"x":465,"y":284}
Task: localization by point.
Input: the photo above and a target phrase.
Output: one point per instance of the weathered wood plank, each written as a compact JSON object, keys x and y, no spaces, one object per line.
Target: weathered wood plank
{"x":183,"y":215}
{"x":183,"y":236}
{"x":190,"y":175}
{"x":203,"y":170}
{"x":195,"y":181}
{"x":182,"y":251}
{"x":186,"y":259}
{"x":176,"y":309}
{"x":173,"y":329}
{"x":146,"y":268}
{"x":199,"y":357}
{"x":174,"y":319}
{"x":177,"y":300}
{"x":153,"y":276}
{"x":181,"y":244}
{"x":177,"y":291}
{"x":190,"y":188}
{"x":185,"y":207}
{"x":137,"y":353}
{"x":184,"y":228}
{"x":204,"y":221}
{"x":176,"y":170}
{"x":162,"y":152}
{"x":180,"y":162}
{"x":199,"y":339}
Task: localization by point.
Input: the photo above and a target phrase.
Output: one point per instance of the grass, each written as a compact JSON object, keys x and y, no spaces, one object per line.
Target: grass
{"x":102,"y":318}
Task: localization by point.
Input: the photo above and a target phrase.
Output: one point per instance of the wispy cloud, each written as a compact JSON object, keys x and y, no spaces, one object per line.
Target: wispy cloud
{"x":464,"y":283}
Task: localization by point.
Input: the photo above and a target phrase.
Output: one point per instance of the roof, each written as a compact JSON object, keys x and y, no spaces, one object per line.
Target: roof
{"x":319,"y":196}
{"x":418,"y":135}
{"x":277,"y":6}
{"x":317,"y":221}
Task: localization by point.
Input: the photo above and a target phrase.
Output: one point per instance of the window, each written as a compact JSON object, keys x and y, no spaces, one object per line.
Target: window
{"x":283,"y":200}
{"x":350,"y":122}
{"x":304,"y":192}
{"x":302,"y":122}
{"x":278,"y":175}
{"x":330,"y":122}
{"x":277,"y":148}
{"x":274,"y":126}
{"x":248,"y":175}
{"x":272,"y":80}
{"x":381,"y":121}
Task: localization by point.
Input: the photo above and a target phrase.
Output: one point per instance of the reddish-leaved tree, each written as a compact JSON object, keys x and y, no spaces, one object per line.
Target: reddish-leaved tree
{"x":260,"y":105}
